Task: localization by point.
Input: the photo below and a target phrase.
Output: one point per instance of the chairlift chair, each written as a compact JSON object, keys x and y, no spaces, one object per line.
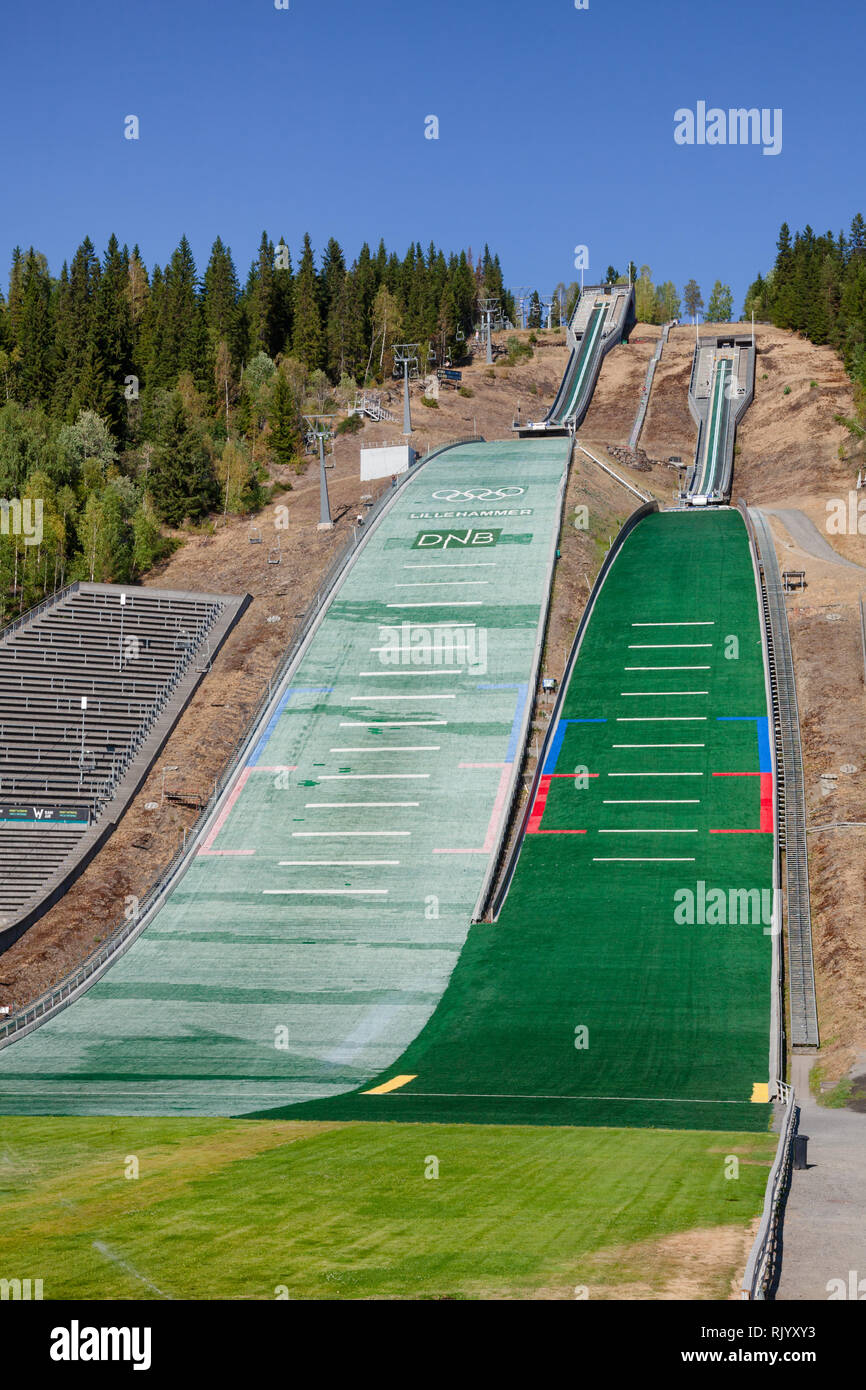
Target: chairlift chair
{"x":255,"y":535}
{"x":275,"y":554}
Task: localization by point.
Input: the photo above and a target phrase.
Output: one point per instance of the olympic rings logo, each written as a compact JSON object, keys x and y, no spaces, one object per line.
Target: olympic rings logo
{"x":483,"y":494}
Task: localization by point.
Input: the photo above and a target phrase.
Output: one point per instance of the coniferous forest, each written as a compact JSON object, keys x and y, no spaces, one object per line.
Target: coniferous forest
{"x":134,"y":399}
{"x":817,"y":287}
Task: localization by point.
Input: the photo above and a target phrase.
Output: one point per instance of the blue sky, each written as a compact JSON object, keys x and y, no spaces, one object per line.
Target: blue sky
{"x":556,"y":128}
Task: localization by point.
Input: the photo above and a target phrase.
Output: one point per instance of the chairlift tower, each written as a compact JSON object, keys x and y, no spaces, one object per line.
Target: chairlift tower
{"x":487,"y":308}
{"x":406,"y":356}
{"x":321,"y":428}
{"x":547,"y":303}
{"x":522,"y":294}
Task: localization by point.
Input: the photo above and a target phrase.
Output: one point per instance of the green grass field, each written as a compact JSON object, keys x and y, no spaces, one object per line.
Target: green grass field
{"x":235,"y":1210}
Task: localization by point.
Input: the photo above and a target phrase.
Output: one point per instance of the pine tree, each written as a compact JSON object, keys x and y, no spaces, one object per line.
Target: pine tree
{"x":34,"y":344}
{"x":693,"y":299}
{"x":110,"y":339}
{"x":182,"y":338}
{"x":307,"y":337}
{"x":183,"y":482}
{"x":220,"y":296}
{"x":261,"y":301}
{"x":285,"y":434}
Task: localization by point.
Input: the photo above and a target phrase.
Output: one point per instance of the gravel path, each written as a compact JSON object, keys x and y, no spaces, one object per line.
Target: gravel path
{"x":806,"y":535}
{"x":824,"y":1233}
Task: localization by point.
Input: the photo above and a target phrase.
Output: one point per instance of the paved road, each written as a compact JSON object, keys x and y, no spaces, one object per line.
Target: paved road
{"x":824,"y":1234}
{"x":806,"y":535}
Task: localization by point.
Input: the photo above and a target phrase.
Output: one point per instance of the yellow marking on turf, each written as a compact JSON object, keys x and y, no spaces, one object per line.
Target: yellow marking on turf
{"x":760,"y":1092}
{"x":393,"y":1085}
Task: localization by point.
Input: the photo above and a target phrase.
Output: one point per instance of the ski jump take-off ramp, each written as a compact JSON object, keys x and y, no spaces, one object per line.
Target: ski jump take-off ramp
{"x":602,"y":317}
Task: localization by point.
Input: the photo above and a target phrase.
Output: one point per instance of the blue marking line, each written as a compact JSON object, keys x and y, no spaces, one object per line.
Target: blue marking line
{"x":522,"y":696}
{"x":762,"y":722}
{"x":522,"y":693}
{"x":556,"y":743}
{"x":275,"y":717}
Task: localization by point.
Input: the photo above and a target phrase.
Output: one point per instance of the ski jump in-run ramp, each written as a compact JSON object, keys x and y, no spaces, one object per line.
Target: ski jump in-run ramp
{"x":327,"y":900}
{"x":628,"y":977}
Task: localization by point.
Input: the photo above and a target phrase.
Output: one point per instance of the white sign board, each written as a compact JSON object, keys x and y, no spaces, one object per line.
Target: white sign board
{"x":382,"y":463}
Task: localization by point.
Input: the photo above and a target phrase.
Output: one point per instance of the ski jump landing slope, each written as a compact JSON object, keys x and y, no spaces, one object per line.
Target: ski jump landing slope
{"x":329,"y":897}
{"x":627,"y":980}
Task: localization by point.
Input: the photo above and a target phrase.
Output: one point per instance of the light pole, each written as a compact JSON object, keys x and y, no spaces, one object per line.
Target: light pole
{"x":406,"y":354}
{"x":321,"y":428}
{"x":81,"y":756}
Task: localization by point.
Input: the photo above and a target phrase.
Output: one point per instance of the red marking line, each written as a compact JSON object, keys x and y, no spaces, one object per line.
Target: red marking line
{"x":534,"y":824}
{"x":767,"y":802}
{"x":498,"y":804}
{"x":539,"y":804}
{"x":766,"y":825}
{"x":226,"y":811}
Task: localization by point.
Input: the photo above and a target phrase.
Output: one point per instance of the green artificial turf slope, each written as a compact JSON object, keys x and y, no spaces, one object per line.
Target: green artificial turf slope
{"x":588,"y":1002}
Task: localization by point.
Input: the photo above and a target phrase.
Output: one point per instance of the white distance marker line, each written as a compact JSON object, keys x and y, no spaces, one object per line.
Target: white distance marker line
{"x":326,"y":892}
{"x":624,"y":693}
{"x":432,"y":583}
{"x":367,"y":699}
{"x":660,"y":646}
{"x":654,"y":774}
{"x":339,"y":805}
{"x":388,"y":723}
{"x":335,"y":863}
{"x":653,"y":801}
{"x":369,"y":776}
{"x":439,"y":671}
{"x":659,"y":745}
{"x":647,"y":831}
{"x":628,"y":859}
{"x":646,"y":668}
{"x":660,"y":718}
{"x":688,"y":624}
{"x":456,"y":565}
{"x":451,"y":603}
{"x":398,"y":748}
{"x":343,"y":834}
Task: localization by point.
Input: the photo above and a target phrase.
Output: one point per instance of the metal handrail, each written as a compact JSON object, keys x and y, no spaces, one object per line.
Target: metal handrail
{"x":761,"y":1265}
{"x":39,"y":608}
{"x":54,"y":999}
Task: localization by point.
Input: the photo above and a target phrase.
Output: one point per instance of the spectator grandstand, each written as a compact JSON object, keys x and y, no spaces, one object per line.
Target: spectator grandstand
{"x":91,"y":683}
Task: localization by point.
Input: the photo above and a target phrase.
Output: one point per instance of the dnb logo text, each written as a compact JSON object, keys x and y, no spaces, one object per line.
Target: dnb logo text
{"x":444,"y":540}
